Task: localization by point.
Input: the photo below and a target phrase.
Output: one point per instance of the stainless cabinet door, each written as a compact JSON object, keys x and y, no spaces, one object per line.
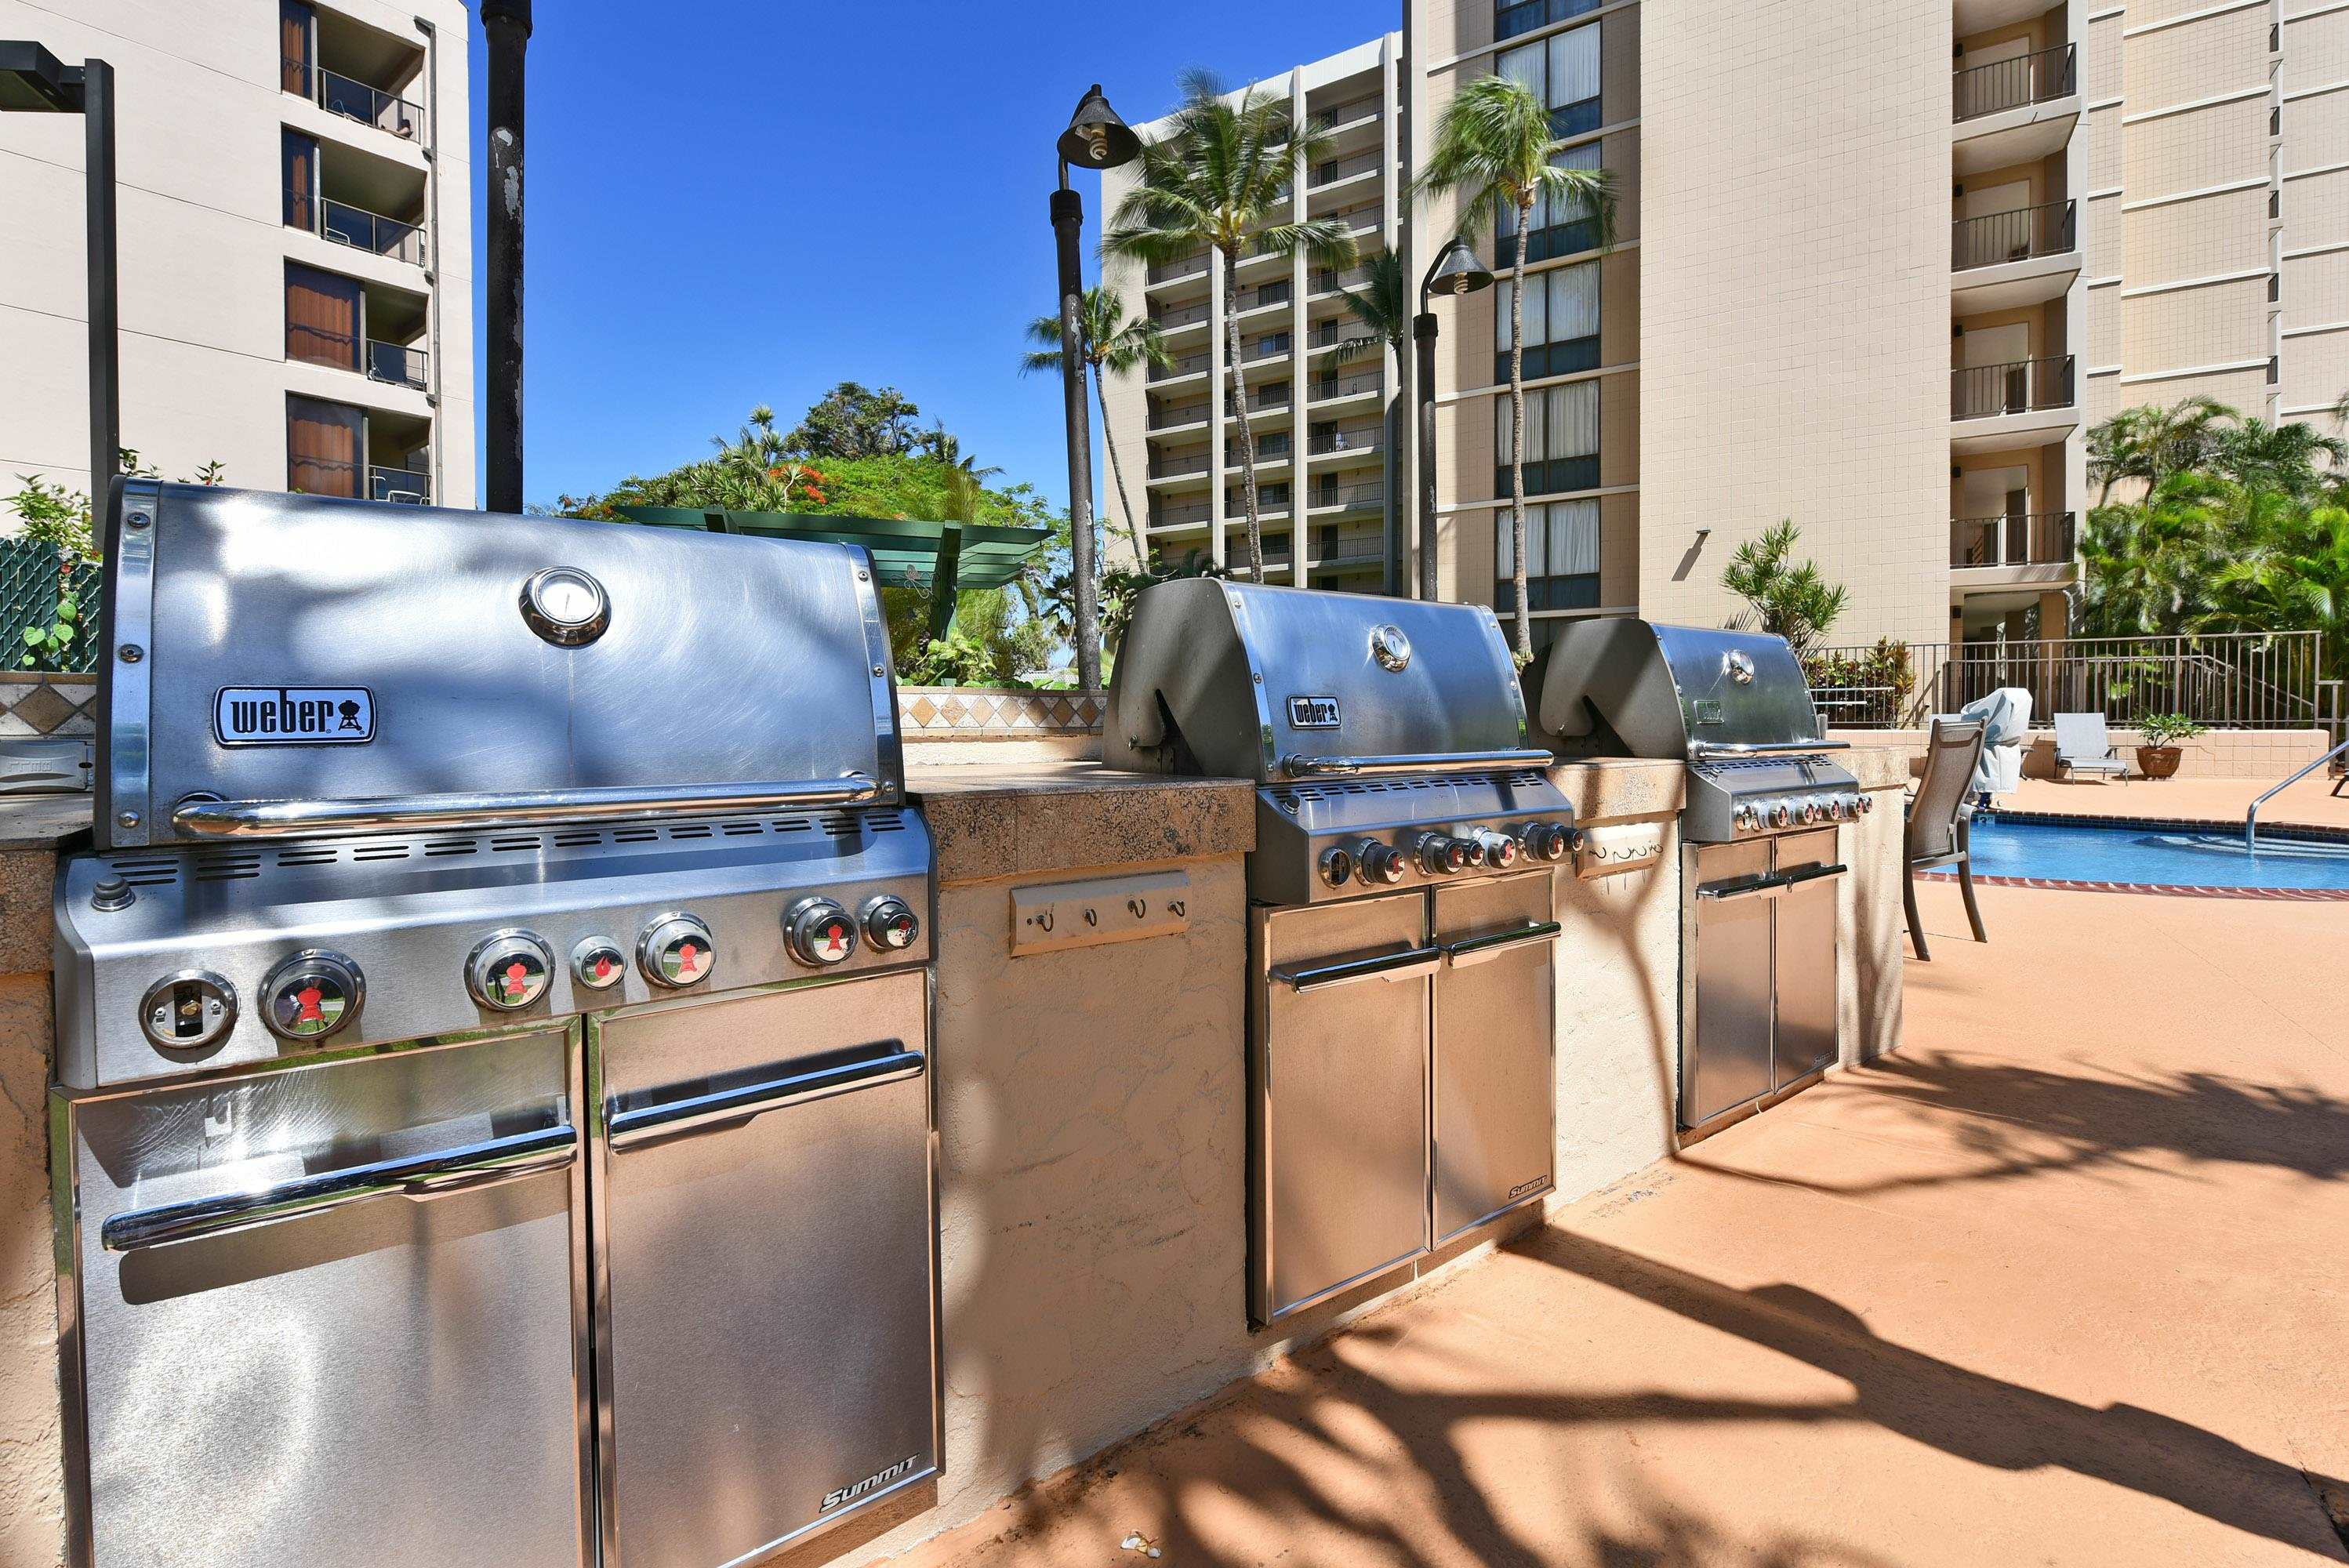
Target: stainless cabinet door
{"x":286,"y":1354}
{"x":765,"y":1327}
{"x":1496,"y":1075}
{"x":1725,"y":1044}
{"x":1339,"y":1086}
{"x":1806,"y":959}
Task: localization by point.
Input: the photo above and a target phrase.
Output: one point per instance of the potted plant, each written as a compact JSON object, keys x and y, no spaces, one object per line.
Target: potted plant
{"x":2157,"y":756}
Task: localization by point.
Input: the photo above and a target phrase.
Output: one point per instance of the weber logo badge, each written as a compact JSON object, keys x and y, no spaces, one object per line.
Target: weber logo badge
{"x":1313,"y":713}
{"x":294,"y":716}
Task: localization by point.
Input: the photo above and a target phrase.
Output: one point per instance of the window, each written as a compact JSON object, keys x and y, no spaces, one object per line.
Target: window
{"x":1560,"y":228}
{"x":1561,"y":323}
{"x":1562,"y":71}
{"x":323,"y":324}
{"x":1513,"y":17}
{"x":301,"y":171}
{"x":1561,"y":439}
{"x":323,"y":443}
{"x":1561,"y":557}
{"x":1269,"y":497}
{"x":296,"y":27}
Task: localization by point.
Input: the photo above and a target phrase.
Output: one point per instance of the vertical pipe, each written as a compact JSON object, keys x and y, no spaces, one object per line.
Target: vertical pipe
{"x":1068,"y":225}
{"x":1422,"y":334}
{"x":507,"y":24}
{"x":105,"y":312}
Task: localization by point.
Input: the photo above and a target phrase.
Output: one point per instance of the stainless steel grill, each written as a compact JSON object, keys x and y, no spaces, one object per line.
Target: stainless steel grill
{"x":1400,"y":1002}
{"x":493,"y":1027}
{"x":1759,"y":833}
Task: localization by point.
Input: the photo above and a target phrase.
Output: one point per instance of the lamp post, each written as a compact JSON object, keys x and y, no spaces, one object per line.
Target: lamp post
{"x":33,"y":81}
{"x":1456,"y":271}
{"x":506,"y":25}
{"x":1096,"y":138}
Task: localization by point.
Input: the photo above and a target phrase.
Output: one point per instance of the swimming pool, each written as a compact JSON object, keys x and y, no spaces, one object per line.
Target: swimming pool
{"x":2150,"y":853}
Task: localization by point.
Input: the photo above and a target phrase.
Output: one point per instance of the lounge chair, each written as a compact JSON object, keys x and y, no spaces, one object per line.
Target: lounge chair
{"x":2083,"y":745}
{"x":1938,"y":830}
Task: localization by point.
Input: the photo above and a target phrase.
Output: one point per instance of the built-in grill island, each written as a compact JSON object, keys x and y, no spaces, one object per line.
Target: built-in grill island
{"x":1758,"y":830}
{"x":493,"y":1019}
{"x":1401,"y":1011}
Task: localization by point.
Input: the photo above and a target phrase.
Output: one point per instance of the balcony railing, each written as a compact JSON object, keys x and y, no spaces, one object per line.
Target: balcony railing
{"x":1169,"y":418}
{"x":1271,"y":346}
{"x":1350,"y":113}
{"x":1275,"y":396}
{"x":1328,"y":387}
{"x":1326,"y":279}
{"x":1996,"y":238}
{"x":1368,"y":439}
{"x":1170,"y":271}
{"x":1263,"y":294}
{"x":2035,"y":539}
{"x":1174,"y":468}
{"x":397,"y":364}
{"x":1272,"y":447}
{"x":392,"y":362}
{"x":1186,"y":365}
{"x":356,"y":226}
{"x":1987,"y":391}
{"x":1181,"y":316}
{"x":1180,"y":515}
{"x":1349,"y":496}
{"x":355,"y":99}
{"x":328,"y":476}
{"x":2011,"y":84}
{"x":1339,"y":169}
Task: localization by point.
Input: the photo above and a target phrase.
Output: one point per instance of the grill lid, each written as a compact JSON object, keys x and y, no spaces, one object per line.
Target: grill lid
{"x":1242,"y":680}
{"x":1636,"y":688}
{"x":310,"y":665}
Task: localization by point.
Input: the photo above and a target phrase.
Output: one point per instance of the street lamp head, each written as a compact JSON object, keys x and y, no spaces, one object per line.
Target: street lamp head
{"x":1457,"y":271}
{"x":1096,"y":138}
{"x":31,"y":81}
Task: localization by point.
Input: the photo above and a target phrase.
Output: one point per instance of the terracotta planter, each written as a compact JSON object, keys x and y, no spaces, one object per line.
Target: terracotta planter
{"x":2158,"y":761}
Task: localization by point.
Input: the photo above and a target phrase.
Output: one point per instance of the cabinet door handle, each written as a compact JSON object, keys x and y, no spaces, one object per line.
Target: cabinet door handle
{"x":726,"y":1106}
{"x":1472,"y":950}
{"x":1408,"y":965}
{"x":1802,"y":874}
{"x":458,"y":1170}
{"x":1759,"y":887}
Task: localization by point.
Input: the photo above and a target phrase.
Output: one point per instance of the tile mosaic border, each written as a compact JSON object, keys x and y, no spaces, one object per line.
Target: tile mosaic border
{"x":32,"y":704}
{"x":983,"y":713}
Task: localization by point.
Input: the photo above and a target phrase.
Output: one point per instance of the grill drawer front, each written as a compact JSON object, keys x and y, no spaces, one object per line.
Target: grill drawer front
{"x":1495,"y":1012}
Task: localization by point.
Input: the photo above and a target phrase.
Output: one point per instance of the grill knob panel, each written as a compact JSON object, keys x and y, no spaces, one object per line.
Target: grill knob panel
{"x":1380,"y":863}
{"x":598,"y":963}
{"x":677,"y":951}
{"x":890,"y":923}
{"x":820,"y":933}
{"x":1782,"y":815}
{"x":1441,"y":856}
{"x":311,"y":996}
{"x":509,"y":971}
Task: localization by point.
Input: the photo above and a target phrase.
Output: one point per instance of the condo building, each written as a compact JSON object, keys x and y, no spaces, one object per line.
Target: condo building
{"x":295,"y":247}
{"x":2219,"y":205}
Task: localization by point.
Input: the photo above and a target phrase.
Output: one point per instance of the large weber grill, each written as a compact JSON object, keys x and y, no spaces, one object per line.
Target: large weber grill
{"x":1758,"y":830}
{"x":1400,"y":1011}
{"x":493,"y":1028}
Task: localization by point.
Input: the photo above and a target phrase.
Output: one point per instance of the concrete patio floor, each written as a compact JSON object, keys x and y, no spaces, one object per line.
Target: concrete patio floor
{"x":2061,"y":1283}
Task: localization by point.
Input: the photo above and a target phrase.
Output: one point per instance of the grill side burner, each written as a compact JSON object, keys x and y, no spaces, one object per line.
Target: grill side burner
{"x":1402,"y":933}
{"x":1759,"y":831}
{"x":504,"y":954}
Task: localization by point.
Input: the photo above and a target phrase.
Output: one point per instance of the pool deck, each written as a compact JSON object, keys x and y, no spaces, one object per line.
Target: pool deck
{"x":2218,"y":801}
{"x":2060,"y":1282}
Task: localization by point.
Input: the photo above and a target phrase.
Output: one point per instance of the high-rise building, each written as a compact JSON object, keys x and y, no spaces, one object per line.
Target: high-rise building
{"x":2219,"y":205}
{"x":296,"y":239}
{"x":1810,"y":309}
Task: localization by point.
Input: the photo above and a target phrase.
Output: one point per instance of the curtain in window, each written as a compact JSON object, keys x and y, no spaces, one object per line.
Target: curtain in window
{"x":1573,"y":207}
{"x":1526,"y":66}
{"x":293,"y":47}
{"x":1573,"y":66}
{"x":1537,"y":314}
{"x":1540,"y":428}
{"x":1573,"y":531}
{"x":1573,"y":303}
{"x":322,"y":318}
{"x":1573,"y":419}
{"x":301,"y":171}
{"x":323,"y":442}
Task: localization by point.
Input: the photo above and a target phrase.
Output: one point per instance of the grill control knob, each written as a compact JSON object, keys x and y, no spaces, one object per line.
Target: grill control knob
{"x":820,"y":933}
{"x":890,"y":923}
{"x":509,"y":971}
{"x":1337,"y":866}
{"x":598,"y":963}
{"x":1440,"y":856}
{"x":1782,"y":815}
{"x":188,"y":1011}
{"x":1808,"y":811}
{"x":1378,"y":863}
{"x":677,"y":951}
{"x":1867,"y":804}
{"x":1548,"y":840}
{"x":1501,"y":850}
{"x":311,"y":995}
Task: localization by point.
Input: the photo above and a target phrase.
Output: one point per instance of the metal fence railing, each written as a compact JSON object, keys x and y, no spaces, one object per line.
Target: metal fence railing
{"x":1987,"y":391}
{"x":28,"y":598}
{"x":2242,"y":680}
{"x":1993,"y":239}
{"x":1978,"y":90}
{"x":2020,"y":539}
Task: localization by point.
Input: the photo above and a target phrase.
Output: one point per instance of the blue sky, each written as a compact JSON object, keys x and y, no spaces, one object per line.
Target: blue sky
{"x":732,"y":203}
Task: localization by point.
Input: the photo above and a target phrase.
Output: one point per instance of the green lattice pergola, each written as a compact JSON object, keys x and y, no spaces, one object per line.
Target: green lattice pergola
{"x":906,"y":553}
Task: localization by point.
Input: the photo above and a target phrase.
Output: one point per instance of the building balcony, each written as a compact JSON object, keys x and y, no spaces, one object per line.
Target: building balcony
{"x":1175,"y":272}
{"x":2014,"y":110}
{"x":1180,"y":514}
{"x":1370,"y":496}
{"x":1338,"y":388}
{"x":1177,"y":419}
{"x":1338,"y":170}
{"x":1992,"y":543}
{"x":1263,"y":296}
{"x":1179,"y":466}
{"x":355,"y":99}
{"x":1181,"y":366}
{"x":1992,"y":407}
{"x":1343,"y":446}
{"x":2005,"y":261}
{"x":1176,"y":318}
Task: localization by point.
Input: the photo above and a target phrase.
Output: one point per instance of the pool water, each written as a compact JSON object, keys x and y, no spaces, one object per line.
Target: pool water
{"x":2125,"y":852}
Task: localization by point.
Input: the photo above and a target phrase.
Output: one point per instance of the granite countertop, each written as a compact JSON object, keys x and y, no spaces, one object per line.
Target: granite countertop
{"x":41,"y":821}
{"x":992,"y":819}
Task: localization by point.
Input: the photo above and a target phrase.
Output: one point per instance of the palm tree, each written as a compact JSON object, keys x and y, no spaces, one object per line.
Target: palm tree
{"x":2150,"y":443}
{"x":1382,"y":307}
{"x":1492,"y":143}
{"x":2282,"y":458}
{"x":1112,"y":346}
{"x":1213,"y":181}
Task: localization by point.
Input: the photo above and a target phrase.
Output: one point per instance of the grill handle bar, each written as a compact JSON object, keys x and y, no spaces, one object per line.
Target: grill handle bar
{"x":277,"y":818}
{"x":1802,"y":874}
{"x":1701,"y":749}
{"x":1409,"y":964}
{"x":1297,"y":765}
{"x":1478,"y":949}
{"x":460,"y":1170}
{"x":1769,"y":886}
{"x":701,"y":1113}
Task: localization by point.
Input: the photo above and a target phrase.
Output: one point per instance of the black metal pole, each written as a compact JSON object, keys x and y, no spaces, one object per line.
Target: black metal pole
{"x":507,"y":24}
{"x":104,"y":309}
{"x":1422,"y":336}
{"x":1067,"y":226}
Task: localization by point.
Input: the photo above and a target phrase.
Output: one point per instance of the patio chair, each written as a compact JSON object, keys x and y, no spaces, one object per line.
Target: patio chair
{"x":2083,"y":745}
{"x":1939,"y":830}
